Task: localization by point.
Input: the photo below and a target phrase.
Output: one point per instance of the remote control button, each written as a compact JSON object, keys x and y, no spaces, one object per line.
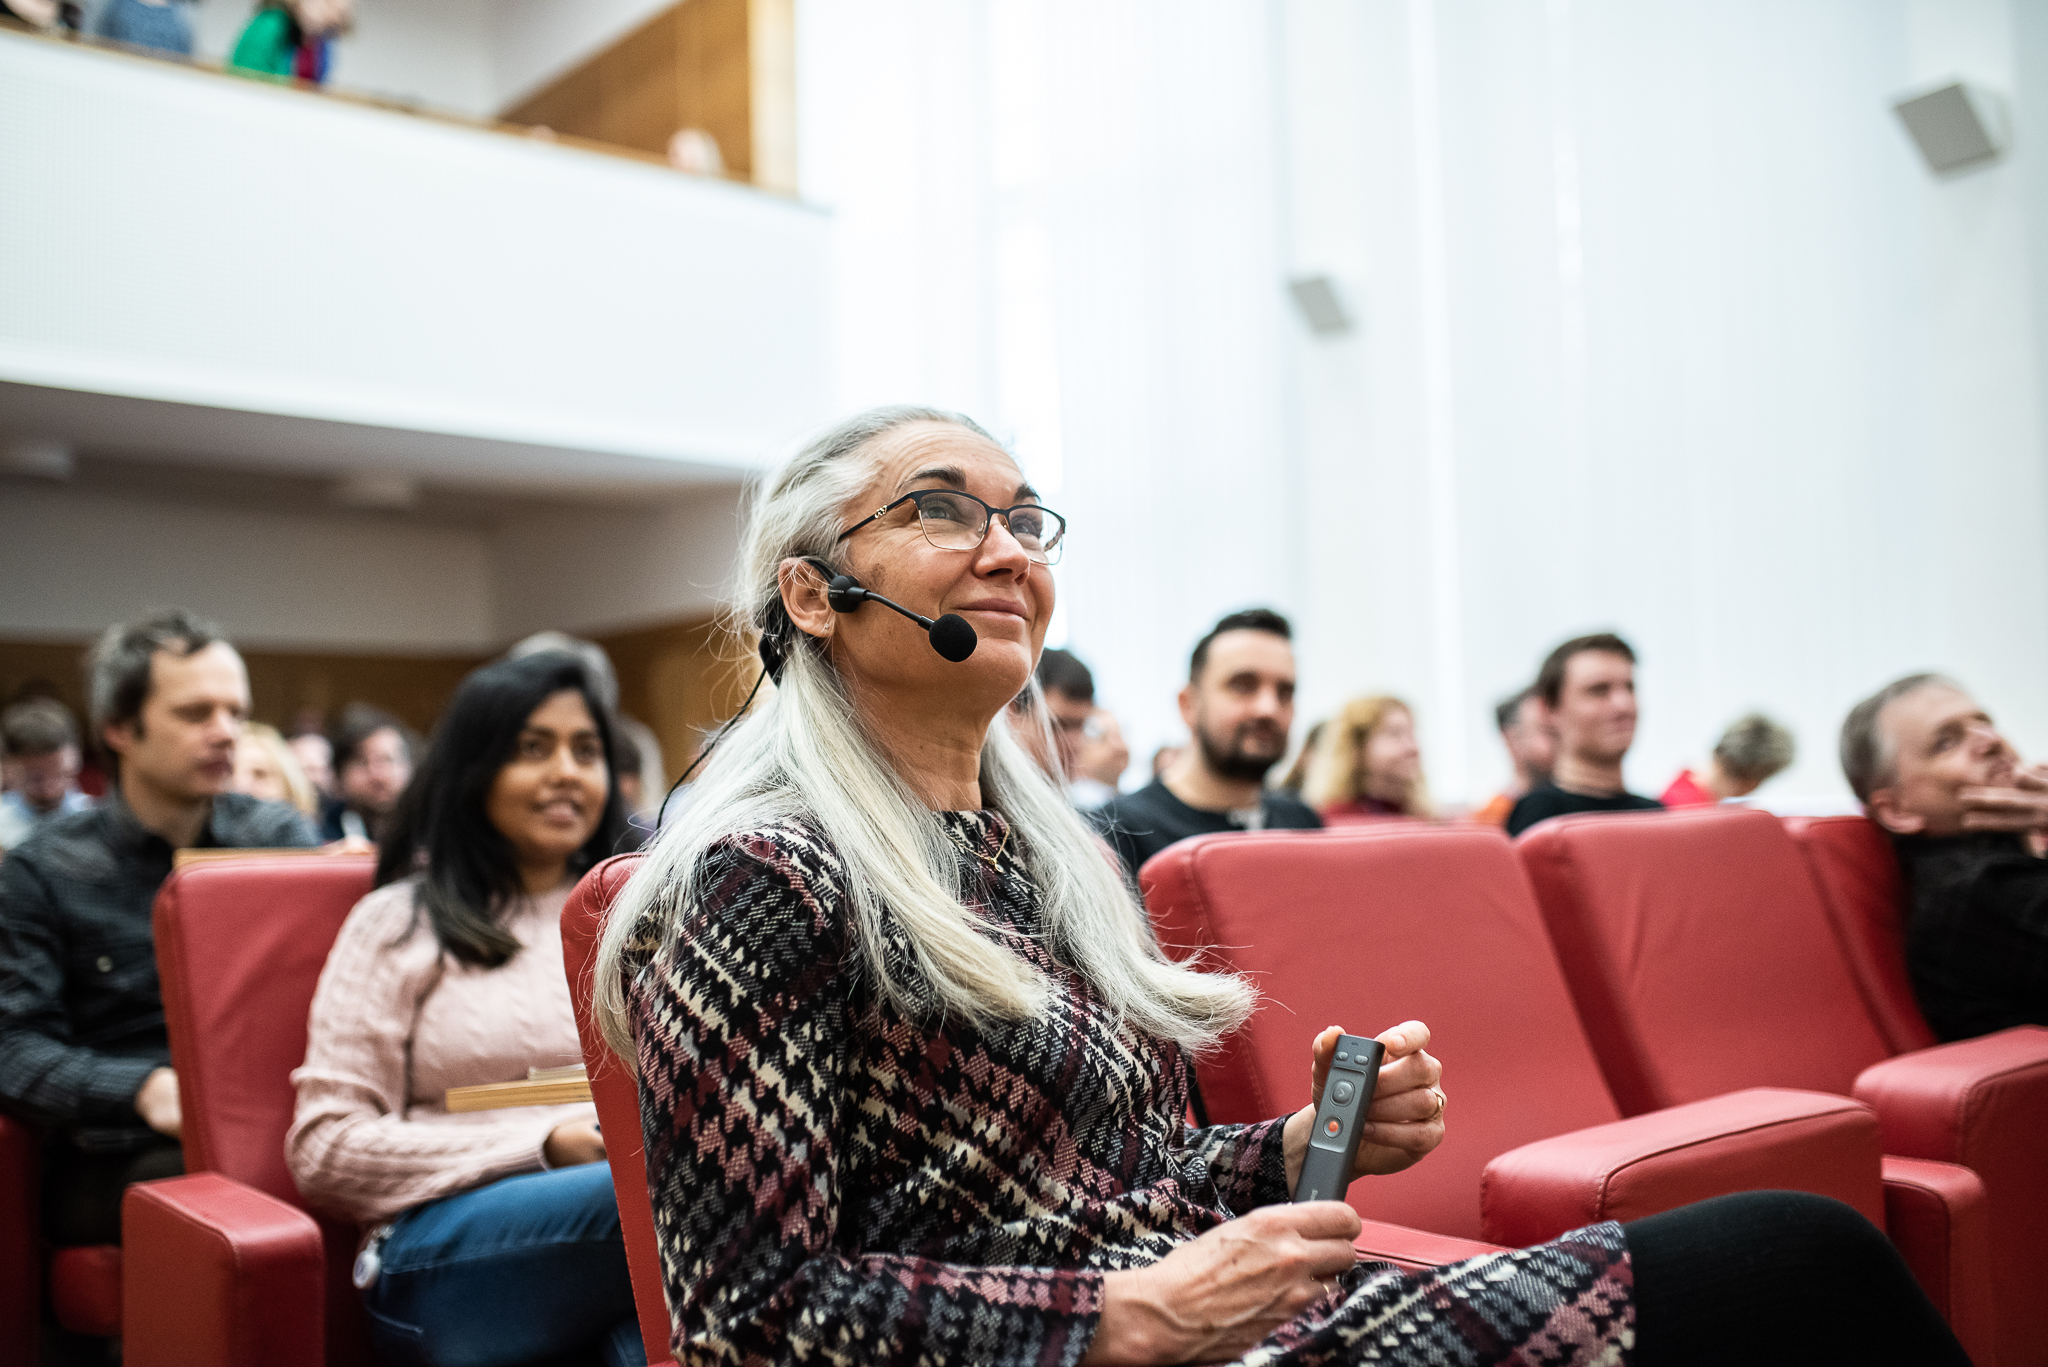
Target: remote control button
{"x":1343,"y":1057}
{"x":1332,"y":1127}
{"x":1344,"y":1093}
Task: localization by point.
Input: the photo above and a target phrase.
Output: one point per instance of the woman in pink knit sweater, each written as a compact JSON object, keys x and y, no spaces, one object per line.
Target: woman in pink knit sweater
{"x":492,"y":1236}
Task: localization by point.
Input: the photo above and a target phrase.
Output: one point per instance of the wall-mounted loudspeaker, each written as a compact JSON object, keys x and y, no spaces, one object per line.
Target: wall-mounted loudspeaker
{"x":1957,"y":126}
{"x":1320,"y":304}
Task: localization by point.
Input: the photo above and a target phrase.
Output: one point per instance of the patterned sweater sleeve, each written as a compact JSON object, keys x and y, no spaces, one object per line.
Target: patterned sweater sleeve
{"x":1248,"y":1163}
{"x":742,"y":1024}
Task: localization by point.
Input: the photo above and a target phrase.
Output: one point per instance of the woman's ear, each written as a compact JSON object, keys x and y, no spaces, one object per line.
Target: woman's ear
{"x":803,"y":597}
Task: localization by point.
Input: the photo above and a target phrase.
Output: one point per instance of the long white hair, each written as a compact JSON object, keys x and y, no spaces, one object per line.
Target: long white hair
{"x":804,"y":753}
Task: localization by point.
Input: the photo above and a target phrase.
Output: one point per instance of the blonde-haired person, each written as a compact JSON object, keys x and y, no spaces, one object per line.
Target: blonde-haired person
{"x":1367,"y":762}
{"x":266,"y":767}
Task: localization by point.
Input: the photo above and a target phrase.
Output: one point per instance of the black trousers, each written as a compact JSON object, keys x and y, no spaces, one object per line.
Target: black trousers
{"x":82,"y":1190}
{"x":1778,"y":1277}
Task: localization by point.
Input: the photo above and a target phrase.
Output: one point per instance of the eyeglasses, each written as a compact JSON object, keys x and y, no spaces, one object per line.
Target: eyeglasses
{"x":956,"y":521}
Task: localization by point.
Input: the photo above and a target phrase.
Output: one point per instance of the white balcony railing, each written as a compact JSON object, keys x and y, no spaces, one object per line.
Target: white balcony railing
{"x":177,"y":234}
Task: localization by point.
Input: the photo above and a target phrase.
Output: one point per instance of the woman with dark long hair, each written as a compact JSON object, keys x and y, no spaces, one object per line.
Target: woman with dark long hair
{"x":492,"y":1236}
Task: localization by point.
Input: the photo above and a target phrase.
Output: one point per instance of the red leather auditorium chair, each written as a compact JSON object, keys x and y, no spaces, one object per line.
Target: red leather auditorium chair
{"x":1857,"y":875}
{"x":1365,"y":928}
{"x":1702,"y":960}
{"x":225,"y":1267}
{"x":617,"y":1095}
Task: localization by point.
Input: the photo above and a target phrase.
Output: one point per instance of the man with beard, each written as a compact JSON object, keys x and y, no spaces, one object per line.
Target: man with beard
{"x":1238,"y":705}
{"x":1588,"y":689}
{"x":1970,"y":825}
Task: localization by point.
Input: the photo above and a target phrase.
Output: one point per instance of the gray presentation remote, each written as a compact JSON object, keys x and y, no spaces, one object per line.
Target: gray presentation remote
{"x":1347,"y":1092}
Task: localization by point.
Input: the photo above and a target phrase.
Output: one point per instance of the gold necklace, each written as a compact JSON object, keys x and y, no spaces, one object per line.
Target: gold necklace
{"x":993,"y":860}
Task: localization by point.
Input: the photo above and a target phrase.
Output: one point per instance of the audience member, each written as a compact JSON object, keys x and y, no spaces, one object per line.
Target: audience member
{"x":159,"y":25}
{"x":1238,"y":705}
{"x":1588,"y":688}
{"x":1970,"y":824}
{"x":649,"y":779}
{"x":1092,"y":754}
{"x":373,"y":755}
{"x":494,"y":1235}
{"x":83,"y":1050}
{"x":1296,"y":777}
{"x":292,"y":40}
{"x":1163,"y":758}
{"x":315,"y":754}
{"x":1532,"y":749}
{"x":1368,"y":762}
{"x":265,"y":767}
{"x":39,"y":760}
{"x":1749,"y":752}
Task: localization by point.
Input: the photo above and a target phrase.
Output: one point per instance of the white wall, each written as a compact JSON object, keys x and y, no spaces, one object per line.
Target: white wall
{"x":72,"y":563}
{"x":1663,"y":327}
{"x":313,"y":258}
{"x":597,"y":570}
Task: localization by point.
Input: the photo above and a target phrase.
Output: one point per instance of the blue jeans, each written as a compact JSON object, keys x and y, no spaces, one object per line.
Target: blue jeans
{"x":529,"y":1269}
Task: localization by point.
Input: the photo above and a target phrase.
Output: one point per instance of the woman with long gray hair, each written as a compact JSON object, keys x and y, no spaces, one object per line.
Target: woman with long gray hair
{"x":910,"y":1064}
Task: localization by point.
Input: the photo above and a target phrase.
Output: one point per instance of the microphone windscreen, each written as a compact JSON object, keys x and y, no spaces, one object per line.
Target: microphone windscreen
{"x":953,"y":638}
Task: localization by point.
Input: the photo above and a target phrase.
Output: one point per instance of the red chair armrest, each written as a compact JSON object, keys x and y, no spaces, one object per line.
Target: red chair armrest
{"x":1414,"y":1249}
{"x":1940,"y":1222}
{"x":1762,"y":1138}
{"x":1983,"y":1103}
{"x":218,"y":1274}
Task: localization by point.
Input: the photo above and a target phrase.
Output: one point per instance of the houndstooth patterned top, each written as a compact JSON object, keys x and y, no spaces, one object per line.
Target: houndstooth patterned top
{"x":837,"y":1181}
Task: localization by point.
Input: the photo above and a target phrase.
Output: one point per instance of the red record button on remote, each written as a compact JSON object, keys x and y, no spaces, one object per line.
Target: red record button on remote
{"x":1332,"y":1127}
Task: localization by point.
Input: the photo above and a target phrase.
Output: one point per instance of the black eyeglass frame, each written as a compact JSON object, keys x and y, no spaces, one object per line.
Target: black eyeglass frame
{"x":918,"y":496}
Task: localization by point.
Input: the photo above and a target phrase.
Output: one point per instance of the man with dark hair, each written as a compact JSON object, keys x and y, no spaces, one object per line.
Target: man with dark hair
{"x":40,"y":760}
{"x":1970,"y":825}
{"x":373,"y":754}
{"x":83,"y":1052}
{"x":1588,"y":690}
{"x":1532,"y":749}
{"x":1092,"y":754}
{"x":1239,"y":706}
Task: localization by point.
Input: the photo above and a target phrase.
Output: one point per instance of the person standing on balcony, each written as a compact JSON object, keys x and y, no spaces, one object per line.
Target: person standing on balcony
{"x":83,"y":1049}
{"x":155,"y":25}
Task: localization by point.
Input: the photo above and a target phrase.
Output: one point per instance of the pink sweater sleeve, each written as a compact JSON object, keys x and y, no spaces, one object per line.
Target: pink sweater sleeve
{"x":359,"y":1146}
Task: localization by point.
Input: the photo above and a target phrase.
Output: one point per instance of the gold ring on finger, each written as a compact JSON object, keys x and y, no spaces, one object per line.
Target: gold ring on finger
{"x":1440,"y":1099}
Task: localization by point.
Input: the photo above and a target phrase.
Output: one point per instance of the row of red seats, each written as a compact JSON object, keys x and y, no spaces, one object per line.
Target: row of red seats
{"x":1703,"y":940}
{"x":1636,"y":1012}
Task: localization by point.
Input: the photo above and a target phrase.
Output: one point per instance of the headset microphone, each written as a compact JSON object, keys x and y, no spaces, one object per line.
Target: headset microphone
{"x":950,"y":635}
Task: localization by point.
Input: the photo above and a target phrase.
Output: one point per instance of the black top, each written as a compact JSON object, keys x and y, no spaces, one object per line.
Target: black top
{"x":1976,"y":932}
{"x":1143,"y":823}
{"x":1548,"y":800}
{"x":81,"y":1011}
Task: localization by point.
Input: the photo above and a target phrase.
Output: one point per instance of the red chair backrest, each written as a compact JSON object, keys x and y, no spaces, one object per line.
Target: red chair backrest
{"x":1857,"y":873}
{"x":240,"y":944}
{"x":1368,"y":927}
{"x":616,"y":1091}
{"x":1699,"y":954}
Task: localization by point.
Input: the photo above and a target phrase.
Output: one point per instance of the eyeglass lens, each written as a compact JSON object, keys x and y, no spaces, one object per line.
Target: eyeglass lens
{"x":954,"y":522}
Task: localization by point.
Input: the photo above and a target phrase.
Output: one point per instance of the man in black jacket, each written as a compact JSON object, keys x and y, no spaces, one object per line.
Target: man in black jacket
{"x":83,"y":1049}
{"x":1970,"y":824}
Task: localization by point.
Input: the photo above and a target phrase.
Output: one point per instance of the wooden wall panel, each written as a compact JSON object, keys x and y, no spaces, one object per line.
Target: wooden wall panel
{"x":679,"y":678}
{"x":725,"y":66}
